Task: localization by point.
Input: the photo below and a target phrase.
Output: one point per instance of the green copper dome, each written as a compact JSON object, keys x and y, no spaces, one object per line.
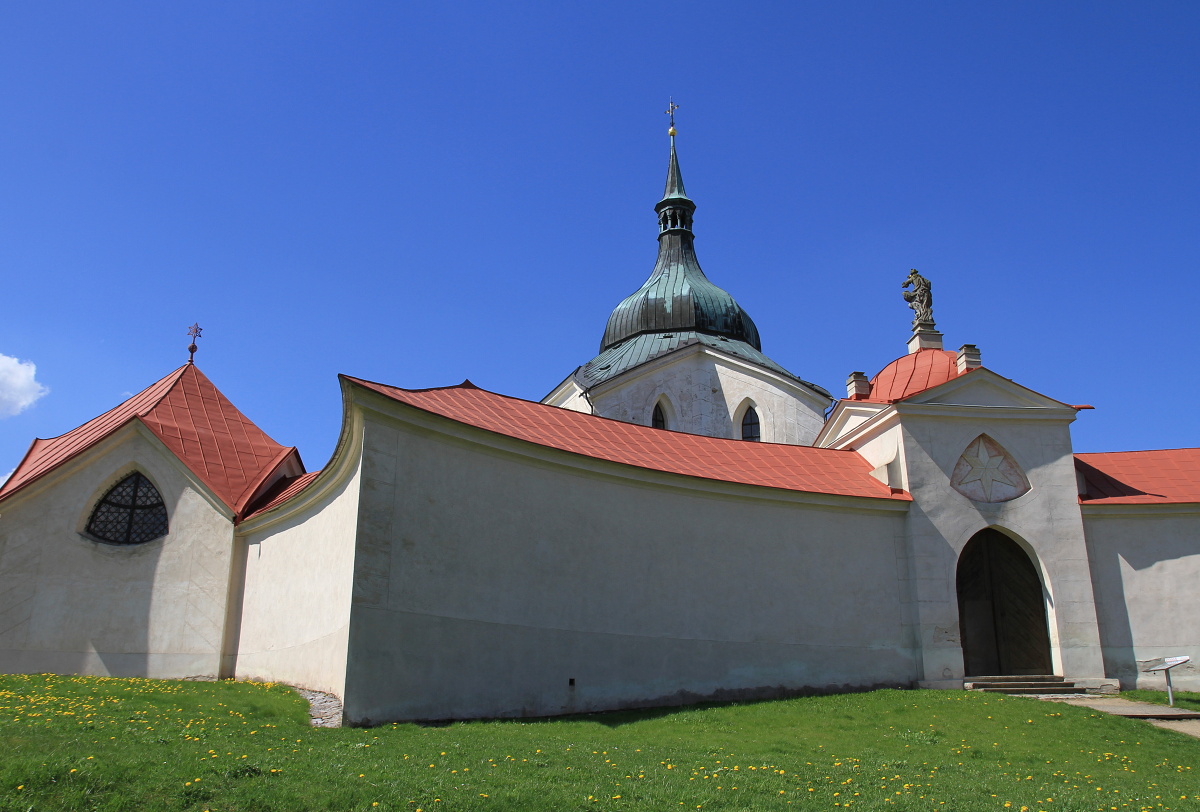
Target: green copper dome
{"x":678,"y":296}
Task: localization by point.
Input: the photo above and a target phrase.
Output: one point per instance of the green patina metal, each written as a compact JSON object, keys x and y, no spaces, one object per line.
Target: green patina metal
{"x":678,"y":296}
{"x":678,"y":305}
{"x":645,"y":347}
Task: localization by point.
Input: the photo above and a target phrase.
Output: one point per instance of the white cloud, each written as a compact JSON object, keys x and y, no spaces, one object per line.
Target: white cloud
{"x":18,"y":389}
{"x":4,"y":478}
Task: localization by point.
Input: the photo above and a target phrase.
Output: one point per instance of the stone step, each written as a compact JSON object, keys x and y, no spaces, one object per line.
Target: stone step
{"x":1042,"y":689}
{"x":1017,"y":678}
{"x":975,"y":683}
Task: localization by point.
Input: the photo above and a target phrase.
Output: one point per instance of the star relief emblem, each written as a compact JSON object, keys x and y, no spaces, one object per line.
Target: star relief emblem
{"x":985,"y":468}
{"x":987,"y":473}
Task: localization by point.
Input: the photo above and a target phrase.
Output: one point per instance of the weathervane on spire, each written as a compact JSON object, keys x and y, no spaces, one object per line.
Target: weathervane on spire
{"x":670,"y":111}
{"x":193,"y":331}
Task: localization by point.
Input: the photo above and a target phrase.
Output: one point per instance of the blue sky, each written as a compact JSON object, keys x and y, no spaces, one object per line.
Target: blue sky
{"x":419,"y":193}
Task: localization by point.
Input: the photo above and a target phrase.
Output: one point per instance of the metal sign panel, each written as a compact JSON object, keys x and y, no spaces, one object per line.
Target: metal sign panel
{"x":1164,"y":663}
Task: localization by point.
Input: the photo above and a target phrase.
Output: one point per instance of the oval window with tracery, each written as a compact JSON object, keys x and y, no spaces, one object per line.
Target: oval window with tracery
{"x":132,"y":512}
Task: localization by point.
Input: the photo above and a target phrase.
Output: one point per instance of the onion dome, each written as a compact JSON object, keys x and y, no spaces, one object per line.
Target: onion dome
{"x":678,"y":296}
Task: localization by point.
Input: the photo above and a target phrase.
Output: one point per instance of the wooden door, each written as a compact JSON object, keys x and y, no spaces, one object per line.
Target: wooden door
{"x":1001,"y":611}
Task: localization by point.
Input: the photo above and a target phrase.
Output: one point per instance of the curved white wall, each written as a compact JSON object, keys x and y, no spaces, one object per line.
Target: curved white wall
{"x":494,"y":572}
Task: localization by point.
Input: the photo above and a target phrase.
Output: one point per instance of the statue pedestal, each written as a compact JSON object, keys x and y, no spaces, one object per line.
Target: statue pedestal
{"x":925,"y":338}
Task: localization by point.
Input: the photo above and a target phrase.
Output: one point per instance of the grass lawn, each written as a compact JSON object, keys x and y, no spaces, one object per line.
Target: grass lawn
{"x":100,"y":743}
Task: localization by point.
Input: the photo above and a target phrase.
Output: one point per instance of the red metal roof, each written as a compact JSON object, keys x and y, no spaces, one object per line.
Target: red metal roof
{"x":1140,"y":477}
{"x":280,"y":492}
{"x":913,"y":373}
{"x":230,"y":454}
{"x":790,"y":467}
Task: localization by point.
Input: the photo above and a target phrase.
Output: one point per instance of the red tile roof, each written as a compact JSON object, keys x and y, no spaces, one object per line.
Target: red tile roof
{"x":1140,"y":477}
{"x":790,"y":467}
{"x":913,"y":373}
{"x":230,"y":454}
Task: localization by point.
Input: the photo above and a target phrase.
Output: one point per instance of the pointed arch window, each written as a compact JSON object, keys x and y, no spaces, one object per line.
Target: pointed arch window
{"x":751,"y":429}
{"x":131,"y":512}
{"x":658,"y":419}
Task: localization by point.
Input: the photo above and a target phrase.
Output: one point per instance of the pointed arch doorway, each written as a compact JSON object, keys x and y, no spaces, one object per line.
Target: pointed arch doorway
{"x":1001,"y":611}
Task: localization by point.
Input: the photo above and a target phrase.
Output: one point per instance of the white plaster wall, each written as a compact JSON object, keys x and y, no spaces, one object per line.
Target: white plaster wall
{"x":884,"y":450}
{"x":1046,"y":520}
{"x":707,"y":391}
{"x":1145,"y":565}
{"x":486,"y":580}
{"x":76,"y":606}
{"x":298,"y":578}
{"x":569,"y":395}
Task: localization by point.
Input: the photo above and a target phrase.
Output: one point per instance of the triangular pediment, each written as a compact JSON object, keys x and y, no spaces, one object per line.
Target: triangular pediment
{"x":982,"y":387}
{"x":846,"y":417}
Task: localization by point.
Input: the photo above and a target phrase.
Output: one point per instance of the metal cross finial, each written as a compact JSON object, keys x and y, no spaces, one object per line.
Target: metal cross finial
{"x":193,"y":331}
{"x":670,"y":111}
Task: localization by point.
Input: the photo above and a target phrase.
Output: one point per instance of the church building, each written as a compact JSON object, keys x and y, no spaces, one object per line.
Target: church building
{"x":680,"y":519}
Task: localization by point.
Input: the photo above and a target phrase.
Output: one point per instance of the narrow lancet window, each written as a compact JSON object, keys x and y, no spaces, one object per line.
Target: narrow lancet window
{"x":132,"y":512}
{"x":658,"y":420}
{"x":750,"y":427}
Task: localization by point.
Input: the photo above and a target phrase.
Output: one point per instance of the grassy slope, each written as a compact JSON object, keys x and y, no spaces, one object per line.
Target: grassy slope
{"x":96,"y":743}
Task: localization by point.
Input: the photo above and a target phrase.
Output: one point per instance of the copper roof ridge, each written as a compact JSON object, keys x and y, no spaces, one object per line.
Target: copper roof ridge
{"x":270,"y":498}
{"x":144,"y":413}
{"x":242,"y":502}
{"x":177,"y":374}
{"x":636,"y":426}
{"x":133,"y":418}
{"x":466,"y":384}
{"x":1138,"y":451}
{"x":237,"y":503}
{"x":9,"y":478}
{"x":888,"y":495}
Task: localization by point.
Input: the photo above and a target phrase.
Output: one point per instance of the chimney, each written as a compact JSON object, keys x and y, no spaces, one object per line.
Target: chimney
{"x":968,"y":358}
{"x":857,"y":386}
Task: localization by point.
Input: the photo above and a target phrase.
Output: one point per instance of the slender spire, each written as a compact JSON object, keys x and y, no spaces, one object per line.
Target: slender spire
{"x":674,"y":178}
{"x":675,"y":209}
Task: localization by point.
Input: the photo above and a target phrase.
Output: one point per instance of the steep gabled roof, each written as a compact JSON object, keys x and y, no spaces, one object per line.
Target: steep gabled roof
{"x":1168,"y":476}
{"x":221,"y":446}
{"x":790,"y":467}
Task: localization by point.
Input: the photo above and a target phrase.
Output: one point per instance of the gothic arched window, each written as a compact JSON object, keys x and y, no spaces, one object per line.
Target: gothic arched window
{"x":132,"y":512}
{"x":750,"y":426}
{"x":658,"y":420}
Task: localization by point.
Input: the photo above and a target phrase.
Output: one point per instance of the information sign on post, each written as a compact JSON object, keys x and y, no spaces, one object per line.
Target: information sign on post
{"x":1165,"y":664}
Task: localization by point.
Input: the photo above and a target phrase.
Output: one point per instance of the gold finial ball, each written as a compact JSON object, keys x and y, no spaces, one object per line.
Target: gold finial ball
{"x":671,"y":131}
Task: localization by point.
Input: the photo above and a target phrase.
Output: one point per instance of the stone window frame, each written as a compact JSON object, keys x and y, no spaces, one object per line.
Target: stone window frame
{"x":100,"y":499}
{"x":663,"y":406}
{"x":739,"y":416}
